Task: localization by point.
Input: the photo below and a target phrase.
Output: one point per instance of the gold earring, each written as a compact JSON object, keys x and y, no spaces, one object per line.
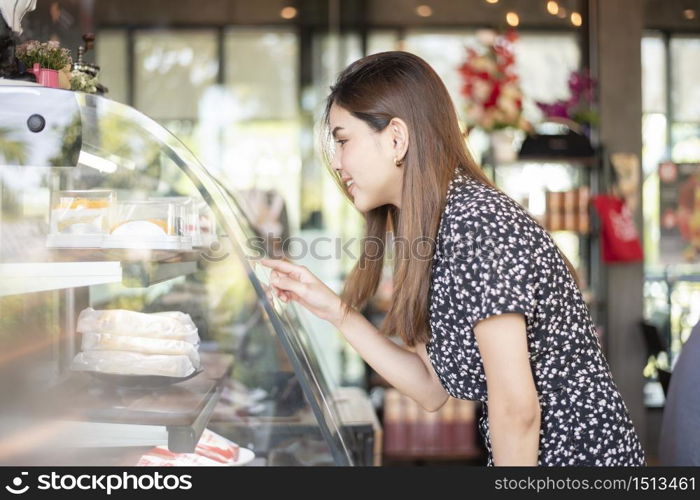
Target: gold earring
{"x":398,"y":162}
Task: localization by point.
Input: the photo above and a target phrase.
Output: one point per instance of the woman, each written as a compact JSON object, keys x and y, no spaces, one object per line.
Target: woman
{"x":491,"y":309}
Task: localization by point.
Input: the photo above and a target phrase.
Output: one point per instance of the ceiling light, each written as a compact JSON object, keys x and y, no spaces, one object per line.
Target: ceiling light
{"x":424,"y":11}
{"x":576,"y":19}
{"x":512,"y":19}
{"x":553,"y":7}
{"x":491,"y":1}
{"x":288,"y":13}
{"x":689,"y":14}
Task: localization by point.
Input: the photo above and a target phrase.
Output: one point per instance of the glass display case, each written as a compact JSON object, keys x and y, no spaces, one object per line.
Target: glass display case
{"x":136,"y":326}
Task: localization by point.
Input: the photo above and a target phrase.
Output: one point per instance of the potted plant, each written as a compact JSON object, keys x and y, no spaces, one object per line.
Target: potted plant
{"x":45,"y":60}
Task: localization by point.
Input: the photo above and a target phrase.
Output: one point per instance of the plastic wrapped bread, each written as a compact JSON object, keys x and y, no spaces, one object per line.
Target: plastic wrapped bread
{"x":145,"y":345}
{"x":133,"y":363}
{"x":173,"y":325}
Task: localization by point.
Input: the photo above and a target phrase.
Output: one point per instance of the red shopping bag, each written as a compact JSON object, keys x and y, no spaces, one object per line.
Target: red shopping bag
{"x":620,"y":240}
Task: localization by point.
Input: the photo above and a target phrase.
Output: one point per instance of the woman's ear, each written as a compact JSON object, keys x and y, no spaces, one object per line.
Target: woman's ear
{"x":399,"y":138}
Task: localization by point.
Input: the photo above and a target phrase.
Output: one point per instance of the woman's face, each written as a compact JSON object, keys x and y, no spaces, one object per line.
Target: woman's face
{"x":365,"y":160}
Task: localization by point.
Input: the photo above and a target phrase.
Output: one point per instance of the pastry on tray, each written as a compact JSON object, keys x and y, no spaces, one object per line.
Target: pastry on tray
{"x":133,"y":363}
{"x":80,"y":218}
{"x":174,"y":325}
{"x":122,"y":342}
{"x":144,"y":345}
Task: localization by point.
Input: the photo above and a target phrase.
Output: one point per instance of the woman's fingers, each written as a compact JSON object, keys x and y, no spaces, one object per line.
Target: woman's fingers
{"x":279,"y":265}
{"x":284,"y":267}
{"x":288,"y":284}
{"x":274,"y":275}
{"x":278,"y":292}
{"x":296,"y":283}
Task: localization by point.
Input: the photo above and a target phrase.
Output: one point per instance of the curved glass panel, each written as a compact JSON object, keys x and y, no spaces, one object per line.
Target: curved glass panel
{"x":103,"y":208}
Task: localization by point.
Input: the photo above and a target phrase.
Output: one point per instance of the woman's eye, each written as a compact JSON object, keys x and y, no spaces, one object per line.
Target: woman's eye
{"x":341,"y":141}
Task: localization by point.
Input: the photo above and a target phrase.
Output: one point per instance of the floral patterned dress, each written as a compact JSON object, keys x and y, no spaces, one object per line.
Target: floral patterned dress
{"x":492,"y":258}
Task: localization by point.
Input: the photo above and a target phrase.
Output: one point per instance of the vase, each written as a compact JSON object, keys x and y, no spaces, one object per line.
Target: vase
{"x":503,"y":146}
{"x":44,"y":76}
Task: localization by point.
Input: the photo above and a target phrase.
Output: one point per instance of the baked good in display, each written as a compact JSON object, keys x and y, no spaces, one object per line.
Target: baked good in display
{"x":70,"y":203}
{"x":145,"y":345}
{"x":133,"y":363}
{"x":94,"y":219}
{"x":122,"y":342}
{"x":174,"y":325}
{"x":80,"y":218}
{"x":81,"y":215}
{"x":149,"y":228}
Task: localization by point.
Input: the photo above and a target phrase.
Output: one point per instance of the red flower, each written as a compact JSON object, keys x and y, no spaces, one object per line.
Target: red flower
{"x":490,"y":83}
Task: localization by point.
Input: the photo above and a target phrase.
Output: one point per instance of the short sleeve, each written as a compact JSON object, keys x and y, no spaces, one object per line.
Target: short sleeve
{"x":492,"y":262}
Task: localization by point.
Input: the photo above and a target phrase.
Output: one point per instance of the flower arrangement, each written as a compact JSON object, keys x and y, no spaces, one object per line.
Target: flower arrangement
{"x":579,"y":106}
{"x":49,"y":55}
{"x":83,"y":82}
{"x":491,"y":84}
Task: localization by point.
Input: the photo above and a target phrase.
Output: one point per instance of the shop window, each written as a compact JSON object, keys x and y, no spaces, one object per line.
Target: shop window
{"x":382,"y":41}
{"x":653,"y":74}
{"x":686,"y":142}
{"x":172,"y":70}
{"x":685,"y":73}
{"x":445,"y":51}
{"x":111,"y":53}
{"x":669,"y":133}
{"x":261,"y":71}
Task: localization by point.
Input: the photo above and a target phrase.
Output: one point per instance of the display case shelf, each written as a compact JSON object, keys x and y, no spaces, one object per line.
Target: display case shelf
{"x":133,"y":270}
{"x":102,"y":415}
{"x":122,"y":255}
{"x":30,"y":277}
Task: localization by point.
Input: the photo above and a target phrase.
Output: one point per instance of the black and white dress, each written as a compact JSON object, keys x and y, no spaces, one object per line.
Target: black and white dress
{"x":492,"y":258}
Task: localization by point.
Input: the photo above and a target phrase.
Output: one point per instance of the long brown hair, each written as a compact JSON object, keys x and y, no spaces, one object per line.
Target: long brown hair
{"x":376,"y":89}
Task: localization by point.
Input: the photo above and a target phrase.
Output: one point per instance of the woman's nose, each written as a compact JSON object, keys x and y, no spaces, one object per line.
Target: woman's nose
{"x":335,"y":162}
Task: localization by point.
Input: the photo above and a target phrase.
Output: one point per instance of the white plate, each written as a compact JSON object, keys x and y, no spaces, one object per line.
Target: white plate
{"x":244,"y":456}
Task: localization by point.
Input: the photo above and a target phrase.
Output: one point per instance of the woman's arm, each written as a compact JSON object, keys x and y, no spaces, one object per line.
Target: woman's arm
{"x":410,"y":372}
{"x":513,"y":406}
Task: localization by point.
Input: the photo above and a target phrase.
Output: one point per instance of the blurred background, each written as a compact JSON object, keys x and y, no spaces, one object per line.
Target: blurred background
{"x":243,"y":84}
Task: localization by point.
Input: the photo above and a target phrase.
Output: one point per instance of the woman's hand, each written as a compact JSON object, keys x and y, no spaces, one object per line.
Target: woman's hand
{"x":408,"y":371}
{"x":294,"y":282}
